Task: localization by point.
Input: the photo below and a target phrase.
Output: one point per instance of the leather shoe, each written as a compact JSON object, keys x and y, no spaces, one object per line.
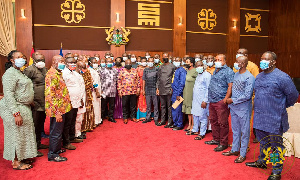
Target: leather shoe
{"x":39,"y":154}
{"x":177,"y":128}
{"x":162,"y":123}
{"x":230,"y":153}
{"x":125,"y":121}
{"x":69,"y":147}
{"x":212,"y":142}
{"x":240,"y":159}
{"x":146,"y":121}
{"x":58,"y":159}
{"x":220,"y":148}
{"x":112,"y":120}
{"x":274,"y":177}
{"x":256,"y":165}
{"x":76,"y":140}
{"x":81,"y":137}
{"x":156,"y":123}
{"x":168,"y":126}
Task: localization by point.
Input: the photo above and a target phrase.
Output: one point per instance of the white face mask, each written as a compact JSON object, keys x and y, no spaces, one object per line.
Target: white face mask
{"x":97,"y":58}
{"x":40,"y":64}
{"x":144,"y":63}
{"x":20,"y":62}
{"x":112,"y":58}
{"x":133,"y":59}
{"x":238,"y":55}
{"x":147,"y":57}
{"x":125,"y":58}
{"x":107,"y":57}
{"x":197,"y":59}
{"x":75,"y":58}
{"x":86,"y":64}
{"x":95,"y":66}
{"x":156,"y":61}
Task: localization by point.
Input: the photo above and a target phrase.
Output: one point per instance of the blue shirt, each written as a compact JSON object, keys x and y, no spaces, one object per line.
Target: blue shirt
{"x":242,"y":91}
{"x":178,"y":83}
{"x":274,"y":92}
{"x":200,"y":93}
{"x":219,"y":84}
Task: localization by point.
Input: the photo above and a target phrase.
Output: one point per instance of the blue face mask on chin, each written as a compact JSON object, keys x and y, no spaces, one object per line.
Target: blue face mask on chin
{"x":61,"y":66}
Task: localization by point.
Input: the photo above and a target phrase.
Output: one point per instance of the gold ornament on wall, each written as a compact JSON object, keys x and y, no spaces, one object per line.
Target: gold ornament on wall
{"x":120,"y":37}
{"x":72,"y":11}
{"x":207,"y":19}
{"x":257,"y":27}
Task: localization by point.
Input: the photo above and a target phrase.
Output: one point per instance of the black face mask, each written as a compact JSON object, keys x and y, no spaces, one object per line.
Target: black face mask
{"x":187,"y":66}
{"x":118,"y":63}
{"x":128,"y":66}
{"x":166,"y":60}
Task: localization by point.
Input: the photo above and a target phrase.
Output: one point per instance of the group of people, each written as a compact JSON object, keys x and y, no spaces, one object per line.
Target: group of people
{"x":80,"y":91}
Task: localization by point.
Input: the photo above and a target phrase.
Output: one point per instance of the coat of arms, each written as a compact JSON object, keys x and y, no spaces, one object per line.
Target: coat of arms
{"x":120,"y":37}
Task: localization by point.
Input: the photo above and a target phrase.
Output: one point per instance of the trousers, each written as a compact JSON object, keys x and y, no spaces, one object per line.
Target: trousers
{"x":56,"y":129}
{"x":200,"y":122}
{"x":166,"y":106}
{"x":111,"y":106}
{"x":129,"y":106}
{"x":152,"y":100}
{"x":177,"y":115}
{"x":39,"y":121}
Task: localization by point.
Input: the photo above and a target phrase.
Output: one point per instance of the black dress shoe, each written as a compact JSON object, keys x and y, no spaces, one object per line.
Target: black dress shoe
{"x":81,"y":137}
{"x":177,"y":128}
{"x":58,"y":159}
{"x":146,"y":121}
{"x":162,"y":123}
{"x":168,"y":126}
{"x":112,"y":120}
{"x":212,"y":142}
{"x":39,"y":154}
{"x":221,"y":148}
{"x":156,"y":123}
{"x":274,"y":177}
{"x":208,"y":131}
{"x":173,"y":126}
{"x":256,"y":165}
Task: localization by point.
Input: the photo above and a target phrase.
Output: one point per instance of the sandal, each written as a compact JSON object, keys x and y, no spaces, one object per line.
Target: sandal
{"x":187,"y":130}
{"x":199,"y":137}
{"x":21,"y":165}
{"x":27,"y":161}
{"x":191,"y":133}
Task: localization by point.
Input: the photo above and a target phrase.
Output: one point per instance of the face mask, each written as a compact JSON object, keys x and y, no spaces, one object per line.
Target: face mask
{"x":210,"y":64}
{"x":40,"y":64}
{"x":97,"y":58}
{"x":204,"y":62}
{"x":128,"y":66}
{"x":107,"y":57}
{"x":95,"y":66}
{"x":238,"y":55}
{"x":264,"y":64}
{"x":112,"y":58}
{"x":147,"y":57}
{"x":182,"y":63}
{"x":144,"y":64}
{"x":156,"y":61}
{"x":165,"y":60}
{"x":87,"y":64}
{"x":150,"y":64}
{"x":218,"y":64}
{"x":176,"y":64}
{"x":61,"y":66}
{"x":102,"y":64}
{"x":187,"y":66}
{"x":197,"y":59}
{"x":125,"y":58}
{"x":75,"y":58}
{"x":236,"y":66}
{"x":20,"y":62}
{"x":170,"y":60}
{"x":109,"y":65}
{"x":72,"y":67}
{"x":118,"y":63}
{"x":199,"y":69}
{"x":133,"y":59}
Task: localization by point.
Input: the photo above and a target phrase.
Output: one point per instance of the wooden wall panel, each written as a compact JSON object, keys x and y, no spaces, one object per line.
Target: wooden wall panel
{"x":24,"y":27}
{"x":179,"y":32}
{"x":284,"y":34}
{"x":233,"y":37}
{"x":117,"y":6}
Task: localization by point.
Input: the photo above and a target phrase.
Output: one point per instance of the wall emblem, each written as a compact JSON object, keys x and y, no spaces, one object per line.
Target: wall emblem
{"x":257,"y":27}
{"x":120,"y":37}
{"x":72,"y":11}
{"x":207,"y":19}
{"x":149,"y":14}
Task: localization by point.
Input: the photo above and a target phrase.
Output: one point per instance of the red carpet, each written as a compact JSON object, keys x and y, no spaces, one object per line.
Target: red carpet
{"x":139,"y":151}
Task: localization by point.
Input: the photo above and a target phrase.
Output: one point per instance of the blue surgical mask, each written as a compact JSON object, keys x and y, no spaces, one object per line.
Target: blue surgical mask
{"x":176,"y":64}
{"x":61,"y":66}
{"x":112,"y":58}
{"x":204,"y":62}
{"x":139,"y":63}
{"x":156,"y":61}
{"x":20,"y":62}
{"x":197,"y":59}
{"x":210,"y":64}
{"x":264,"y":64}
{"x":218,"y":64}
{"x":239,"y":55}
{"x":182,"y":63}
{"x":200,"y":69}
{"x":109,"y":65}
{"x":236,"y":66}
{"x":102,"y":64}
{"x":150,"y":64}
{"x":170,"y":60}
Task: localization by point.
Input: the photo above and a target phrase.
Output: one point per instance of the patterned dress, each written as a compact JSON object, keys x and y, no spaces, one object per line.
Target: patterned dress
{"x":141,"y":105}
{"x":118,"y":101}
{"x":18,"y":94}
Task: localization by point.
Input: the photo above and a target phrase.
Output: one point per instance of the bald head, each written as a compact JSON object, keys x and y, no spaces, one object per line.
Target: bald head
{"x":242,"y":62}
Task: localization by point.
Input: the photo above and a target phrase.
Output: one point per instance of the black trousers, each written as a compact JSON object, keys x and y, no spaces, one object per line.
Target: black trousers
{"x":166,"y":106}
{"x":55,"y":136}
{"x":129,"y":106}
{"x":69,"y":126}
{"x":111,"y":107}
{"x":39,"y":121}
